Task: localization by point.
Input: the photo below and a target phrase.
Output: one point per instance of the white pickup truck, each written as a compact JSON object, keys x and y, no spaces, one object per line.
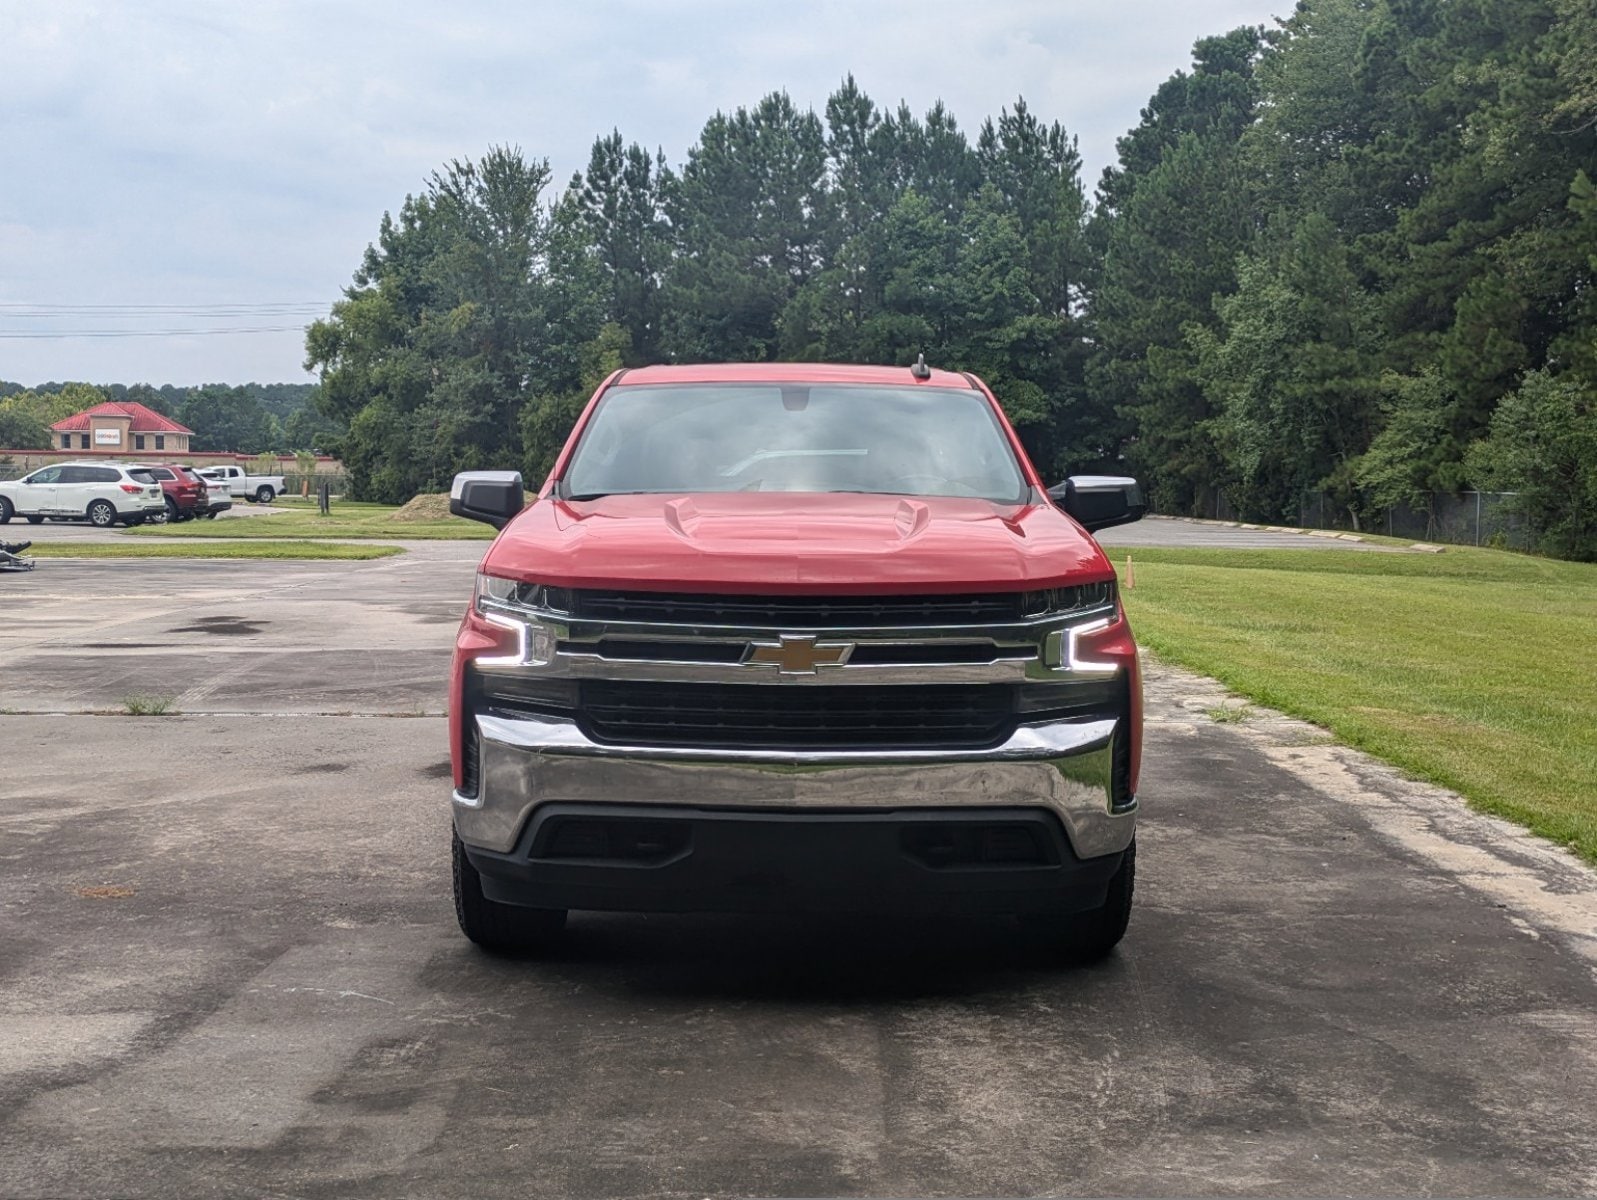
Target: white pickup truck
{"x":239,"y":483}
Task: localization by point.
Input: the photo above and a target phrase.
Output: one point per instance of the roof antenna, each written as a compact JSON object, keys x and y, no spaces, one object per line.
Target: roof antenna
{"x":920,"y":370}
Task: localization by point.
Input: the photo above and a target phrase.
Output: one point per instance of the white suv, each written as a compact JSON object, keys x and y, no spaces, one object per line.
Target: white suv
{"x":100,"y":493}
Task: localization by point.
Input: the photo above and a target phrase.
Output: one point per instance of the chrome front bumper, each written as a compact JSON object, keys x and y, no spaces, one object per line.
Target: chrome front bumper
{"x":1064,"y":767}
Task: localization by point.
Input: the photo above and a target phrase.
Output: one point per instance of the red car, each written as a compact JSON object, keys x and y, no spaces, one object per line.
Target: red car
{"x":795,"y":637}
{"x":186,"y":493}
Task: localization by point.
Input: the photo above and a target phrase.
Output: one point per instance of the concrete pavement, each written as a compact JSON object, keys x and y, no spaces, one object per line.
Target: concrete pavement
{"x":219,"y":635}
{"x":228,"y":963}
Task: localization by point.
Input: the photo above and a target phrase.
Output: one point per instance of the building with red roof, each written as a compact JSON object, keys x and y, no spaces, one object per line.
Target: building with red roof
{"x":125,"y":431}
{"x":121,"y":427}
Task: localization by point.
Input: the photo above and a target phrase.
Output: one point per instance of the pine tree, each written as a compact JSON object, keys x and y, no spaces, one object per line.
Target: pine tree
{"x":619,"y":205}
{"x":750,"y":213}
{"x":1171,"y":218}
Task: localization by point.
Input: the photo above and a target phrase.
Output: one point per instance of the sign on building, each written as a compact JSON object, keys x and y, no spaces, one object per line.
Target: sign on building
{"x":107,"y":437}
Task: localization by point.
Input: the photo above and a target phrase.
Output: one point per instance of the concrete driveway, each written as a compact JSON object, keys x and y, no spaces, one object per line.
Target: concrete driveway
{"x":1217,"y":535}
{"x":228,"y":962}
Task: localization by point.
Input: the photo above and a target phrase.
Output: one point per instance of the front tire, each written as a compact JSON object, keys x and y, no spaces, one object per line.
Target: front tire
{"x":6,"y":511}
{"x":499,"y":928}
{"x":102,"y":514}
{"x":264,"y":494}
{"x":33,"y":519}
{"x":1090,"y":936}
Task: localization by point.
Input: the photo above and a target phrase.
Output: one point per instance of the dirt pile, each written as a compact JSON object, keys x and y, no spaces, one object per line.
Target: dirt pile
{"x":429,"y":506}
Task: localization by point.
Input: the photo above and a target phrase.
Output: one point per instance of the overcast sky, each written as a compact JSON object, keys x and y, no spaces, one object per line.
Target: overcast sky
{"x":203,"y":154}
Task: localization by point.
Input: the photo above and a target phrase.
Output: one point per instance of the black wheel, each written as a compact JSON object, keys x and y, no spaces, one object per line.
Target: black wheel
{"x":34,"y":519}
{"x":102,"y":514}
{"x":1089,"y":936}
{"x":172,"y":514}
{"x":5,"y":511}
{"x":264,"y":494}
{"x":499,"y":928}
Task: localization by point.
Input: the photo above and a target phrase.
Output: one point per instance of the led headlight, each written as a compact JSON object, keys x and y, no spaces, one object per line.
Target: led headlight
{"x":1091,"y":608}
{"x":1067,"y":601}
{"x":495,"y":590}
{"x":504,"y":603}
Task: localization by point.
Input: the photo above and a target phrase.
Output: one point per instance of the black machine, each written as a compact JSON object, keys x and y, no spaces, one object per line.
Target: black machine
{"x":11,"y":556}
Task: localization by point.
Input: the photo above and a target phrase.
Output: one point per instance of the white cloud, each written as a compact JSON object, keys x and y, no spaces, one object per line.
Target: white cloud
{"x":177,"y":151}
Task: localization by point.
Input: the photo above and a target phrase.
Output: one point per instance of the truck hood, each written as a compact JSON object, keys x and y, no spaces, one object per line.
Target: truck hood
{"x":783,"y":542}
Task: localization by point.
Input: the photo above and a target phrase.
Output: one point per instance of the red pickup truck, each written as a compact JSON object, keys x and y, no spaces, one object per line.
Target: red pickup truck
{"x":795,"y":637}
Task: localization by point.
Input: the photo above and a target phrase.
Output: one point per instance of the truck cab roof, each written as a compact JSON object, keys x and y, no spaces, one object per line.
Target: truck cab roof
{"x":835,"y":373}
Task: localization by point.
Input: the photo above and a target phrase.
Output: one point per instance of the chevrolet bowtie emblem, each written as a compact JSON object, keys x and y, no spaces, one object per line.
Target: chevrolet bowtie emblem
{"x":797,"y":655}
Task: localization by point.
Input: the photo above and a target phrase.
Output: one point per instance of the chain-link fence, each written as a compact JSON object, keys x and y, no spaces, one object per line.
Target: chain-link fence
{"x":1465,"y":519}
{"x":308,"y":483}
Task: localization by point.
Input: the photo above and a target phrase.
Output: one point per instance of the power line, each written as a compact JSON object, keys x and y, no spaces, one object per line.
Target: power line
{"x":130,"y":318}
{"x":60,"y":335}
{"x":135,"y":319}
{"x":14,"y":307}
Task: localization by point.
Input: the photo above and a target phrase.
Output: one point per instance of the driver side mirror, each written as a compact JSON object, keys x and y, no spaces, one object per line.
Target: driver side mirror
{"x":493,"y":497}
{"x":1099,"y":501}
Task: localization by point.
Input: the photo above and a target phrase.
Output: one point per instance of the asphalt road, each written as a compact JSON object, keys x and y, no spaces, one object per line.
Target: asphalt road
{"x":228,"y":961}
{"x":1215,"y":535}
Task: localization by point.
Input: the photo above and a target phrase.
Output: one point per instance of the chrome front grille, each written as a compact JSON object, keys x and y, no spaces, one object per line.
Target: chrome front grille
{"x":801,"y":673}
{"x":732,"y":652}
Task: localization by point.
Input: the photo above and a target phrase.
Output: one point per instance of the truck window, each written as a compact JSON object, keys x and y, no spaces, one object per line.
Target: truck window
{"x":795,"y":438}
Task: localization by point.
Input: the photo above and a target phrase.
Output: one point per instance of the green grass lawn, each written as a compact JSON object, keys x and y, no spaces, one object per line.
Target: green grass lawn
{"x":259,"y":548}
{"x":347,"y":520}
{"x":1475,"y":669}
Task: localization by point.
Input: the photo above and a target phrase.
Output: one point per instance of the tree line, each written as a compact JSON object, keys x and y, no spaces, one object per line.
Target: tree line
{"x":1351,"y":253}
{"x":250,"y":418}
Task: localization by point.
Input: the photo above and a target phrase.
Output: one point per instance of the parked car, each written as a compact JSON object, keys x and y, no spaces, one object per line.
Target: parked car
{"x":261,"y":489}
{"x":795,"y":637}
{"x":216,"y":499}
{"x":98,"y":492}
{"x":186,"y":494}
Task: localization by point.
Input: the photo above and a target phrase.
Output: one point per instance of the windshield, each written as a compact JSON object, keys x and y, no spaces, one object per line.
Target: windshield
{"x":794,"y":438}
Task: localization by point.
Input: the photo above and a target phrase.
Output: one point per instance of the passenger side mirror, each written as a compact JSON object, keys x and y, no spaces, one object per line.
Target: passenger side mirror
{"x":493,"y":497}
{"x":1099,"y":501}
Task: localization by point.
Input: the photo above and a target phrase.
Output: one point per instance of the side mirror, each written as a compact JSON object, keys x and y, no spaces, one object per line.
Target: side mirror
{"x":493,"y":497}
{"x":1099,"y":501}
